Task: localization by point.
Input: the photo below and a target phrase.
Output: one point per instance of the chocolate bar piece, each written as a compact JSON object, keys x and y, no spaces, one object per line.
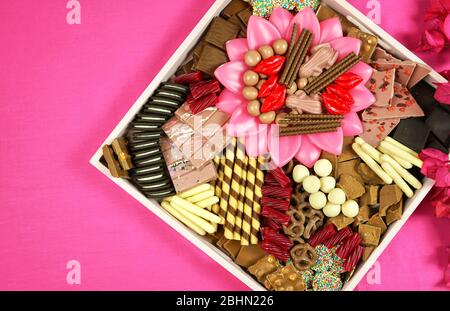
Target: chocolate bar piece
{"x":377,"y":130}
{"x":220,"y":31}
{"x":347,"y":151}
{"x":113,"y":163}
{"x":370,"y":235}
{"x":377,"y":221}
{"x":413,"y":133}
{"x":433,"y":142}
{"x":210,"y":58}
{"x":419,"y":74}
{"x":369,"y":42}
{"x":424,"y":95}
{"x":249,"y":255}
{"x":120,"y":148}
{"x":233,"y":8}
{"x":394,"y":213}
{"x":403,"y":69}
{"x":382,"y":86}
{"x":439,"y":123}
{"x":389,"y":195}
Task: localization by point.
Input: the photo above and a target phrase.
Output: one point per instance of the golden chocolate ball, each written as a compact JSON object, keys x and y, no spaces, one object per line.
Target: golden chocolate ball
{"x":252,"y":58}
{"x":250,"y":92}
{"x":251,"y":78}
{"x":267,"y":117}
{"x":280,"y":46}
{"x":260,"y":83}
{"x":292,"y":89}
{"x":253,"y":108}
{"x":302,"y":83}
{"x":266,"y":51}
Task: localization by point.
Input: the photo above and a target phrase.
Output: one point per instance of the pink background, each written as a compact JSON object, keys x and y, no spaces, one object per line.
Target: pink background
{"x":63,"y":88}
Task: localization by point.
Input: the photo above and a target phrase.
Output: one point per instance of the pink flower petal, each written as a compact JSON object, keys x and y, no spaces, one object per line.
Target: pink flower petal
{"x":345,"y":46}
{"x":446,"y":27}
{"x":281,"y":19}
{"x":363,"y":70}
{"x":261,"y":32}
{"x":256,"y":144}
{"x":331,"y":142}
{"x":351,"y":124}
{"x":282,"y":149}
{"x":241,"y":123}
{"x":229,"y":101}
{"x":363,"y":98}
{"x":236,"y":49}
{"x":330,"y":29}
{"x":308,"y":153}
{"x":306,"y":19}
{"x":230,"y":75}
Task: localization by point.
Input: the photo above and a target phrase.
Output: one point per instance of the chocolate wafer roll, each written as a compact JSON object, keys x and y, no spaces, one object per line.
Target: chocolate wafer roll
{"x":240,"y":209}
{"x":248,"y":201}
{"x":259,"y":182}
{"x":306,"y":132}
{"x":235,"y":187}
{"x":293,"y":40}
{"x":313,"y":116}
{"x":225,"y":212}
{"x":309,"y":127}
{"x":292,"y":56}
{"x":299,"y":59}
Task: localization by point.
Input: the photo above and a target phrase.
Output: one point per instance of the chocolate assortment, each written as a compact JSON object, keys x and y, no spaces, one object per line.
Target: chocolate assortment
{"x":289,"y":155}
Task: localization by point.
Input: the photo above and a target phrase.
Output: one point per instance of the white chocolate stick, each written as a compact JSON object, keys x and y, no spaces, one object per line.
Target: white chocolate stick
{"x":372,"y":152}
{"x":410,"y":179}
{"x":202,"y":223}
{"x":197,"y":189}
{"x":393,"y":150}
{"x":208,"y":202}
{"x":401,"y":146}
{"x":194,"y":209}
{"x":400,"y":161}
{"x":372,"y":164}
{"x":397,"y":179}
{"x":201,"y":196}
{"x":169,"y":208}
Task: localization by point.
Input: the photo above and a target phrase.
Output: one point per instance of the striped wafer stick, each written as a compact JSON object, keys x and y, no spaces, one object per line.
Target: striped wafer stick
{"x":234,"y":191}
{"x":240,"y":211}
{"x":225,"y":211}
{"x":218,"y":183}
{"x":259,"y":181}
{"x":313,"y":116}
{"x":248,"y":201}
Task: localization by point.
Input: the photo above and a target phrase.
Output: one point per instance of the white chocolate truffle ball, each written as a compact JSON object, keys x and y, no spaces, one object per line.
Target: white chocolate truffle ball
{"x":300,"y":173}
{"x":323,"y":168}
{"x":311,"y":184}
{"x":318,"y":200}
{"x":337,"y":196}
{"x":331,"y":210}
{"x":327,"y":184}
{"x":350,"y":208}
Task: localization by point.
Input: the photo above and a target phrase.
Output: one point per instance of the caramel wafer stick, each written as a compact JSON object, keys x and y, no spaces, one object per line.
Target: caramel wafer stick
{"x":224,"y":212}
{"x":240,"y":212}
{"x":248,"y":201}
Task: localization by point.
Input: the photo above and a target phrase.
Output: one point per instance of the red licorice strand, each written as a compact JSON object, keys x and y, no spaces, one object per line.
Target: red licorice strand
{"x":272,"y":224}
{"x":276,"y":237}
{"x":348,"y":245}
{"x":276,"y":215}
{"x":202,"y":88}
{"x":189,"y":78}
{"x":275,"y":250}
{"x":354,"y":258}
{"x":277,"y":192}
{"x":281,"y":177}
{"x":269,"y":178}
{"x":322,"y":235}
{"x":201,"y":104}
{"x":281,"y":205}
{"x":338,"y":238}
{"x":190,"y":100}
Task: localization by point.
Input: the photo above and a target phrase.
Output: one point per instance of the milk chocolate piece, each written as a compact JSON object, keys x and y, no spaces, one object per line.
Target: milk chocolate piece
{"x":220,"y":31}
{"x":352,"y":187}
{"x":334,"y":162}
{"x":365,"y":213}
{"x":368,"y":175}
{"x":370,"y":235}
{"x":249,"y":255}
{"x":368,"y":250}
{"x":370,"y":197}
{"x":233,"y":8}
{"x":403,"y":69}
{"x":377,"y":130}
{"x":389,"y":195}
{"x":120,"y":148}
{"x":286,"y":279}
{"x":347,"y":151}
{"x":377,"y":221}
{"x":264,"y":267}
{"x":382,"y":86}
{"x":245,"y":15}
{"x":412,"y":133}
{"x":341,"y":221}
{"x":439,"y":123}
{"x":381,"y":54}
{"x":349,"y":168}
{"x":113,"y":163}
{"x":210,"y":58}
{"x":369,"y":42}
{"x":232,"y":247}
{"x":394,"y":213}
{"x":419,"y":74}
{"x":424,"y":95}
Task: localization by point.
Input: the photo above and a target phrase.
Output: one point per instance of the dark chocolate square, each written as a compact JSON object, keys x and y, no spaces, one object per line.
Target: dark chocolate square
{"x":433,"y":142}
{"x":234,"y":8}
{"x":413,"y":133}
{"x":221,"y":31}
{"x":244,"y":16}
{"x":439,"y":123}
{"x":210,"y":58}
{"x":424,"y":95}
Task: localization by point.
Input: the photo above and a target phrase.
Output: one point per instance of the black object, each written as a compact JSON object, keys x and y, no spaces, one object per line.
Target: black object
{"x":423,"y":93}
{"x":439,"y":123}
{"x":413,"y":133}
